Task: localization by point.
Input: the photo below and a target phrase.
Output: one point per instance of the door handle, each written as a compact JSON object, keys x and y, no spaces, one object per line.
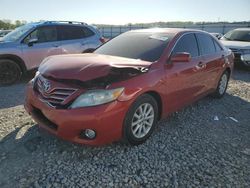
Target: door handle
{"x":55,"y":45}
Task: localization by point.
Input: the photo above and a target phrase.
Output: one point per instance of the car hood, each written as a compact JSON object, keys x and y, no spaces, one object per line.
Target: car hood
{"x":236,"y":44}
{"x":5,"y":44}
{"x":85,"y":67}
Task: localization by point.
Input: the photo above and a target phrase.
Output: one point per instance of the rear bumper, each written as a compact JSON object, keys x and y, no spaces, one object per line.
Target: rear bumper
{"x":106,"y":120}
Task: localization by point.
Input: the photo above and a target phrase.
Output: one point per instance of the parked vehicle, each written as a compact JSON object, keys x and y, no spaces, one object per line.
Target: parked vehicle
{"x":238,"y":40}
{"x":24,"y":48}
{"x":122,"y":89}
{"x":3,"y":33}
{"x":217,"y":35}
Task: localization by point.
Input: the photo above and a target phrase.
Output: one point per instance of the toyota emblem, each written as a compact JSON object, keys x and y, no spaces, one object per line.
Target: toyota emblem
{"x":46,"y":85}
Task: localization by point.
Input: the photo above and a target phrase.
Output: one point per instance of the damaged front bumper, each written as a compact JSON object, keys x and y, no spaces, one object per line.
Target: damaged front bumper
{"x":106,"y":120}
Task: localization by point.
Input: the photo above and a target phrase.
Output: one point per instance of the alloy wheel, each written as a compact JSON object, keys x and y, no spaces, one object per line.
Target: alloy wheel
{"x":223,"y":84}
{"x":142,"y":120}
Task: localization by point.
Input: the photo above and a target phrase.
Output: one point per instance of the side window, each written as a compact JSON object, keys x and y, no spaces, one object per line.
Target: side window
{"x":206,"y":44}
{"x":217,"y":46}
{"x":43,"y":34}
{"x":74,"y":32}
{"x":187,"y":43}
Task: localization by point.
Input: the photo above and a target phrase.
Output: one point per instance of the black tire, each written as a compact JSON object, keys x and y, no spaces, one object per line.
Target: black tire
{"x":10,"y":72}
{"x":128,"y":134}
{"x":219,"y":93}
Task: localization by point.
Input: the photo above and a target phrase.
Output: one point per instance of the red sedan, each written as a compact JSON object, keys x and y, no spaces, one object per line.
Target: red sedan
{"x":122,"y":89}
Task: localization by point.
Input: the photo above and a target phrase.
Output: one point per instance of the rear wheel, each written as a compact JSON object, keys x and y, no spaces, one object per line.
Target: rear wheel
{"x":222,"y":85}
{"x":140,"y":120}
{"x":10,"y":72}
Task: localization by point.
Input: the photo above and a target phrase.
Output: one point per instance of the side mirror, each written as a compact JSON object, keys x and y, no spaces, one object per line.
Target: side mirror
{"x":180,"y":57}
{"x":32,"y":41}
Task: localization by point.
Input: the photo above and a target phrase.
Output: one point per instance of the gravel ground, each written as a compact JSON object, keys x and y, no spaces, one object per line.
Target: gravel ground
{"x":188,"y":149}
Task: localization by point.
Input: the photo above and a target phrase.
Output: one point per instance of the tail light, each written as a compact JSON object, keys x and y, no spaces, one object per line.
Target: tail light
{"x":102,"y":39}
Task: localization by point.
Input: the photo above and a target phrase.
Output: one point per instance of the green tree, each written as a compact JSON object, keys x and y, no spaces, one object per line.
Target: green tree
{"x":18,"y":23}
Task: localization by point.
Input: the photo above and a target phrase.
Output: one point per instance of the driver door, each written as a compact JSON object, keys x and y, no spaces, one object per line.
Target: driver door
{"x":39,"y":44}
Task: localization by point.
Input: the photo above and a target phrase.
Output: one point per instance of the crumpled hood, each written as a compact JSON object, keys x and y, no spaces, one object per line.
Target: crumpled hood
{"x":236,"y":44}
{"x":85,"y":67}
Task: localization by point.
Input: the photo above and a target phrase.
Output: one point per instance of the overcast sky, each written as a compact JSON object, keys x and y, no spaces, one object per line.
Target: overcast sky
{"x":126,"y":11}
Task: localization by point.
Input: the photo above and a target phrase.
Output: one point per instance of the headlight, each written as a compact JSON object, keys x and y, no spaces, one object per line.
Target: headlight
{"x":246,"y":51}
{"x":96,"y":97}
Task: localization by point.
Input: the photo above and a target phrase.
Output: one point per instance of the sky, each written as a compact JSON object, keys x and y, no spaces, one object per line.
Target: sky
{"x":125,"y":11}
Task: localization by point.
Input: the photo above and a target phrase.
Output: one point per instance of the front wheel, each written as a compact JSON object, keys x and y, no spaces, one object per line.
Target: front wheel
{"x":222,"y":85}
{"x":140,"y":120}
{"x":10,"y":72}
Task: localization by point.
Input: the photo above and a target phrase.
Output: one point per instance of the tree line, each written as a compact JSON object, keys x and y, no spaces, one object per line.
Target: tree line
{"x":7,"y":24}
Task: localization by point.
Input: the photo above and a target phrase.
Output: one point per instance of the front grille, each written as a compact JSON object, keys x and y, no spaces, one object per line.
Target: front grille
{"x":54,"y":97}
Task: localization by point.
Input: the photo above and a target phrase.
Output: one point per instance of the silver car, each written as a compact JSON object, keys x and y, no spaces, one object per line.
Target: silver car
{"x":3,"y":33}
{"x":238,"y":40}
{"x":25,"y":48}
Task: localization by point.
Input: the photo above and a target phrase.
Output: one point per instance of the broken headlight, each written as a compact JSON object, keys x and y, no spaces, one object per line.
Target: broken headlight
{"x":96,"y":97}
{"x":35,"y":77}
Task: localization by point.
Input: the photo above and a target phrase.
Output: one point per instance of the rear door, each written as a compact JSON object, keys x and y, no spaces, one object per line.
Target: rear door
{"x":212,"y":58}
{"x":46,"y":45}
{"x":74,"y":38}
{"x":183,"y":79}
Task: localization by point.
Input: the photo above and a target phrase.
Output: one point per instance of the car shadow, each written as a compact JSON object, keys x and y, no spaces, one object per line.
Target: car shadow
{"x":13,"y":95}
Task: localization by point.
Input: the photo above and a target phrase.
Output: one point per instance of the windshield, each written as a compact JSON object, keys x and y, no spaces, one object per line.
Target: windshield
{"x":17,"y":33}
{"x":238,"y":35}
{"x":146,"y":46}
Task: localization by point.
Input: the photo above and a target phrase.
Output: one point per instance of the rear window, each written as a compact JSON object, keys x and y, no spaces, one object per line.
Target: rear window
{"x":206,"y":43}
{"x":74,"y":32}
{"x":137,"y":45}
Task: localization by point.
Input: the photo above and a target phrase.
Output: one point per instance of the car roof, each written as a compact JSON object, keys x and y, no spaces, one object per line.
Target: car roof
{"x":242,"y":29}
{"x":58,"y":23}
{"x":166,"y":30}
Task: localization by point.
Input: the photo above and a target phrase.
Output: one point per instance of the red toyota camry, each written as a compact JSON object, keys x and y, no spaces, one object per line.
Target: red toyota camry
{"x":122,"y":89}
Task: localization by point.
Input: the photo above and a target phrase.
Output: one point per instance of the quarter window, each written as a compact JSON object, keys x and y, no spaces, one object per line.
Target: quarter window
{"x":88,"y":32}
{"x":217,"y":46}
{"x":187,"y":43}
{"x":206,"y":44}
